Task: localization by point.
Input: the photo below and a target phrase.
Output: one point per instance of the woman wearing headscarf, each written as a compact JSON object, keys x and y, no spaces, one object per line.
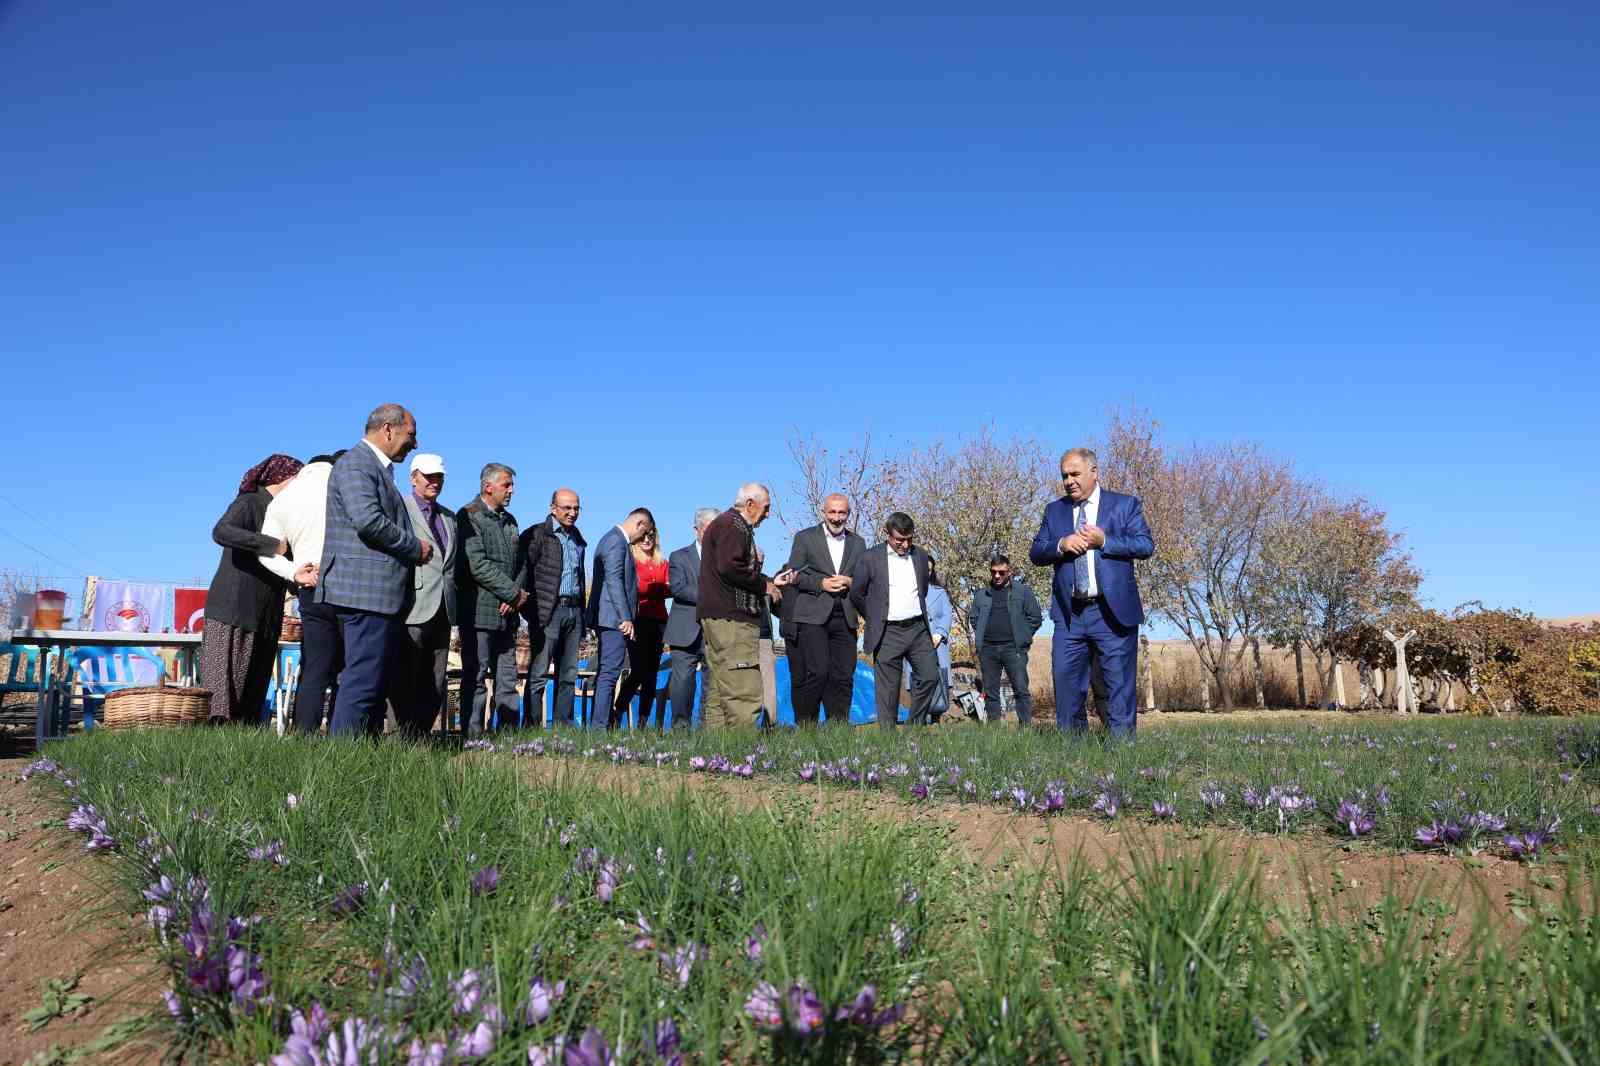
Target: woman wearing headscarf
{"x":244,"y":605}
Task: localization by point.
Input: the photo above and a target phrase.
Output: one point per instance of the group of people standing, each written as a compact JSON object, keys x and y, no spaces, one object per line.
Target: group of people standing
{"x":384,"y":576}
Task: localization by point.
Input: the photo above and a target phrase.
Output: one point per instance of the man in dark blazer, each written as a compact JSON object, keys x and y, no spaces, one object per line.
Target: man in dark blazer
{"x":1092,"y":537}
{"x":417,"y":676}
{"x":890,"y":590}
{"x":368,"y":551}
{"x":825,"y":621}
{"x":688,"y":654}
{"x":612,"y":607}
{"x":553,"y":576}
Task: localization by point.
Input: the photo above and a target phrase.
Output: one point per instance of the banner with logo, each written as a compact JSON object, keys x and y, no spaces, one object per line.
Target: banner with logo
{"x":189,"y":610}
{"x":129,"y":607}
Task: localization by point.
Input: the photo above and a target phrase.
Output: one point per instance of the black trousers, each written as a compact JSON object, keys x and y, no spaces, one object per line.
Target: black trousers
{"x":416,"y":676}
{"x":828,"y":674}
{"x":644,"y":664}
{"x":905,"y":641}
{"x":688,"y":662}
{"x":321,"y":659}
{"x":1012,"y":660}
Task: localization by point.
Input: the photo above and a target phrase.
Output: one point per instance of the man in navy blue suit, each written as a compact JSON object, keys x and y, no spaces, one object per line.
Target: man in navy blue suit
{"x":1092,"y":536}
{"x":613,"y":604}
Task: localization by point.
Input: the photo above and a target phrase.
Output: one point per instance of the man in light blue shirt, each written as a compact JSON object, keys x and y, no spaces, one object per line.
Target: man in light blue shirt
{"x":553,"y":576}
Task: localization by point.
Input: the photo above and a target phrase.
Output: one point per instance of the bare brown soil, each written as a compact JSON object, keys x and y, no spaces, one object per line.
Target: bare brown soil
{"x":1292,"y":868}
{"x":60,"y":920}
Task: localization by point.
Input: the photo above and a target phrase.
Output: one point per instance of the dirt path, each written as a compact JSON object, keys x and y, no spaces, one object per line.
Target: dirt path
{"x":1354,"y":876}
{"x":60,"y":921}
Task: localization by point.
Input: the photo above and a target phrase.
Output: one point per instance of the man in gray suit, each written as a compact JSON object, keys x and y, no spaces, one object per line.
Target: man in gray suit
{"x":368,"y":551}
{"x":890,"y":590}
{"x":683,"y":631}
{"x":825,"y":621}
{"x":613,"y":604}
{"x":416,"y":680}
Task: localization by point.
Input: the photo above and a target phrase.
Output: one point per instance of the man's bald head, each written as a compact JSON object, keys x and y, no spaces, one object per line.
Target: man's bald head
{"x":564,"y":507}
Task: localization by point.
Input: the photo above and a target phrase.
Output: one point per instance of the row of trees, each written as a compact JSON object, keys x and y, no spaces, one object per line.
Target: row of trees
{"x":1248,"y":552}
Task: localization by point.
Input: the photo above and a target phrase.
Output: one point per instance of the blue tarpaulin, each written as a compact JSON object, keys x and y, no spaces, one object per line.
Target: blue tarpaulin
{"x":863,"y":705}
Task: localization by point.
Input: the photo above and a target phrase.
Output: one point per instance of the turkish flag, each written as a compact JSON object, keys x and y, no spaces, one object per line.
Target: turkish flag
{"x":189,"y":609}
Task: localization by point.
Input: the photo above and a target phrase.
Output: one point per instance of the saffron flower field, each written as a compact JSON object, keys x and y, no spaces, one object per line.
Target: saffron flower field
{"x":333,"y":902}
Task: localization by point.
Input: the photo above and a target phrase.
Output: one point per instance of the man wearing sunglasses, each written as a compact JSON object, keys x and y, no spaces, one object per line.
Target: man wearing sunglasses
{"x":1005,"y":618}
{"x":1092,"y":537}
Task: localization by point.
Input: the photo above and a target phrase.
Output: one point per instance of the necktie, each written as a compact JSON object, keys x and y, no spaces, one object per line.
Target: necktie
{"x":1080,"y":564}
{"x":435,"y":527}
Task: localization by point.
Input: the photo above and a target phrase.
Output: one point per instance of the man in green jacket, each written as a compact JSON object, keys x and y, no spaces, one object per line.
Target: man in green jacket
{"x":489,"y":593}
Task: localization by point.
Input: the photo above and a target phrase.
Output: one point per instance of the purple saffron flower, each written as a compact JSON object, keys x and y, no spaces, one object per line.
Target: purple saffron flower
{"x":873,"y":777}
{"x":465,"y":992}
{"x":646,"y":938}
{"x":697,"y":762}
{"x":900,"y":938}
{"x":1429,"y":836}
{"x":806,"y":1015}
{"x":681,"y":962}
{"x":433,"y":1053}
{"x":1107,"y":803}
{"x":99,"y":840}
{"x":271,"y":852}
{"x":808,"y":771}
{"x":541,"y":998}
{"x":41,"y":766}
{"x":485,"y":881}
{"x":666,"y":1040}
{"x":1353,"y":819}
{"x":475,"y":1043}
{"x":1055,"y":798}
{"x":606,"y":880}
{"x":919,"y":790}
{"x":1163,"y":810}
{"x":83,"y":818}
{"x":291,"y":801}
{"x":862,"y":1010}
{"x":764,"y":1007}
{"x":756,"y":943}
{"x":590,"y":1050}
{"x":350,"y":900}
{"x":174,"y":1004}
{"x":1254,"y":800}
{"x":1213,"y":797}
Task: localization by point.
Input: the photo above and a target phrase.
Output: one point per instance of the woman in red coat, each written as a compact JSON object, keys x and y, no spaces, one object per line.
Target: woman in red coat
{"x":649,"y":628}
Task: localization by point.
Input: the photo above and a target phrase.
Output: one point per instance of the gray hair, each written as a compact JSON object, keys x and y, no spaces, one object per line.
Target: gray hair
{"x":752,"y":490}
{"x":1086,"y":454}
{"x":703,"y":517}
{"x":385,"y":414}
{"x":492,"y":471}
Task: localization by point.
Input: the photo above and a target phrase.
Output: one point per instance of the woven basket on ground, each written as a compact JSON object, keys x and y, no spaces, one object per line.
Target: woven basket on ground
{"x":156,"y":705}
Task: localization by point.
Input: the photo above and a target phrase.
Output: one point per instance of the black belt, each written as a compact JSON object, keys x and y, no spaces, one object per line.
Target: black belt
{"x":569,"y":601}
{"x":918,"y":620}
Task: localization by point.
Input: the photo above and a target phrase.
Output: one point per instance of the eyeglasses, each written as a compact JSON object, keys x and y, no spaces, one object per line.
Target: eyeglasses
{"x":574,"y":510}
{"x":998,"y":573}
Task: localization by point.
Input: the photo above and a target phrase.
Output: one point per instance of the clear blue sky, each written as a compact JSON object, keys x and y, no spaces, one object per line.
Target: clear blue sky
{"x":627,"y":247}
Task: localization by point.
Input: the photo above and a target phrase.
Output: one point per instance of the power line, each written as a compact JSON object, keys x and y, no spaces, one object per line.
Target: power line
{"x":87,"y":554}
{"x":39,"y":551}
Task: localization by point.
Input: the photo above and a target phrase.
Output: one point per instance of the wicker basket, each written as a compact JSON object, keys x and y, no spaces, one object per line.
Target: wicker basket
{"x":156,"y":705}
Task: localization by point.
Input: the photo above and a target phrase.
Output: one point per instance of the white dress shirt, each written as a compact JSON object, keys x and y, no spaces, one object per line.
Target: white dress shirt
{"x":903,"y":599}
{"x":836,"y":548}
{"x":1091,"y":517}
{"x":299,"y":515}
{"x":383,"y":460}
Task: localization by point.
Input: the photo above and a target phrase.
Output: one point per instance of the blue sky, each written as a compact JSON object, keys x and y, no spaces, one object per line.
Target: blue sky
{"x":629,"y":247}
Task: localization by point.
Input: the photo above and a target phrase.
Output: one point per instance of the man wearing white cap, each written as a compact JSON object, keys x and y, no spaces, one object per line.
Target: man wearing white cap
{"x":416,"y":678}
